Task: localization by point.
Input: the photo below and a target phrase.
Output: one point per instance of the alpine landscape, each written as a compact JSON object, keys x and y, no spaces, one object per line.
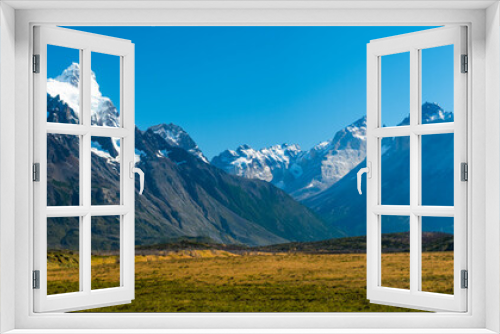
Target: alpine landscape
{"x":279,"y":228}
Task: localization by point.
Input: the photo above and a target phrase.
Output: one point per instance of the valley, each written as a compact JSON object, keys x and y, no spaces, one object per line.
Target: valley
{"x":223,"y":281}
{"x":274,"y":229}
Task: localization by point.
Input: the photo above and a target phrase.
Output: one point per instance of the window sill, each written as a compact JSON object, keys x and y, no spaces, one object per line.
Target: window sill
{"x":252,"y":331}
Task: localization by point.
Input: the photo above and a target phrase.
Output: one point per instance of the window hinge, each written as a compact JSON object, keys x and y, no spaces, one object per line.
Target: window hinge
{"x":464,"y":171}
{"x":465,"y":64}
{"x":36,"y":63}
{"x":36,"y":279}
{"x":36,"y":172}
{"x":465,"y":279}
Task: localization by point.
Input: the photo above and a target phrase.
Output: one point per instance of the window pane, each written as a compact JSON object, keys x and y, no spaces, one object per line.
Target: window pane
{"x":63,"y":170}
{"x":437,"y":169}
{"x":395,"y":165}
{"x":395,"y":262}
{"x":63,"y":245}
{"x":437,"y":254}
{"x":63,"y":78}
{"x":395,"y":89}
{"x":105,"y":90}
{"x":105,"y":171}
{"x":437,"y":84}
{"x":105,"y":252}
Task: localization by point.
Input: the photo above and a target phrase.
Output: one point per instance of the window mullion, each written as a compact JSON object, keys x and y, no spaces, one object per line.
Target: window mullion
{"x":414,"y":171}
{"x":85,"y":255}
{"x":86,"y":169}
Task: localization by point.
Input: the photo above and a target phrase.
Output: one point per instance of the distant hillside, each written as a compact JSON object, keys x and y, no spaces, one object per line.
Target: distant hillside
{"x":391,"y":243}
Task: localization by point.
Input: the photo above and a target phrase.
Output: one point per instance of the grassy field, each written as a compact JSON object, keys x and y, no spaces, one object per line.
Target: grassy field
{"x":225,"y":281}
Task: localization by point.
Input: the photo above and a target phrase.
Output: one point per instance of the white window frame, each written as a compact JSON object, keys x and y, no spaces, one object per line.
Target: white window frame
{"x":85,"y":44}
{"x":482,"y":19}
{"x":414,"y":43}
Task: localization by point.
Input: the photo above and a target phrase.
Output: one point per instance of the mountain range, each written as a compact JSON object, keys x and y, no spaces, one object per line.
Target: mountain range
{"x":341,"y":205}
{"x":184,"y":194}
{"x":300,"y":173}
{"x":251,"y":197}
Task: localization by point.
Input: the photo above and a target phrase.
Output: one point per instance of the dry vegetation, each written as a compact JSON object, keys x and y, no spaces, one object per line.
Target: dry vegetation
{"x":225,"y":281}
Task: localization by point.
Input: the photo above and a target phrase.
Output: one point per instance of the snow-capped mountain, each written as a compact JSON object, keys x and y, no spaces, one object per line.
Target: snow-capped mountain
{"x":433,"y":113}
{"x":183,"y":197}
{"x":65,"y":85}
{"x":300,"y":173}
{"x":304,"y":174}
{"x":342,"y":206}
{"x":63,"y":99}
{"x":176,"y":136}
{"x":269,"y":164}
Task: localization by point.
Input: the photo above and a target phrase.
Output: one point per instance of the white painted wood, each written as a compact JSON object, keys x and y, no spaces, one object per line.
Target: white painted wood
{"x":76,"y":129}
{"x":86,"y":298}
{"x":406,"y":130}
{"x":259,"y":331}
{"x":413,"y":43}
{"x":127,"y":265}
{"x":419,"y":210}
{"x":7,"y":167}
{"x":414,"y":168}
{"x":471,"y":322}
{"x":492,"y":275}
{"x":244,"y":4}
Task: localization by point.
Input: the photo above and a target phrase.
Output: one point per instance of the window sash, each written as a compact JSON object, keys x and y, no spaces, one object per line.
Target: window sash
{"x":86,"y":297}
{"x":413,"y":43}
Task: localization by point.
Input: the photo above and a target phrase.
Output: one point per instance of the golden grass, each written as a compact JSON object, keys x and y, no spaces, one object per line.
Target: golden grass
{"x":437,"y":272}
{"x":221,"y":281}
{"x":396,"y":270}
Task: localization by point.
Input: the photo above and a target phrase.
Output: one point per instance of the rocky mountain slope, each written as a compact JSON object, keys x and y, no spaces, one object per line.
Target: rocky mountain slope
{"x":342,"y":206}
{"x":184,"y":195}
{"x":300,"y":173}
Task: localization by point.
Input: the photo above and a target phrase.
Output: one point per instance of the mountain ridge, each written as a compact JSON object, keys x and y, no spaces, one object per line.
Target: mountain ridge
{"x":300,"y":173}
{"x":283,"y":194}
{"x":184,"y":195}
{"x":342,"y":206}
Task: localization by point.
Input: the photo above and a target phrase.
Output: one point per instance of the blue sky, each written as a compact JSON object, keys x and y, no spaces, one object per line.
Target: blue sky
{"x":260,"y":86}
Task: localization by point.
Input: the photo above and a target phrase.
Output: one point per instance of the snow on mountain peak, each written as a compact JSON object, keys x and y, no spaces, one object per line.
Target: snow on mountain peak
{"x":70,"y":75}
{"x":300,"y":173}
{"x":65,"y":85}
{"x":433,"y":113}
{"x":175,"y":136}
{"x":65,"y":93}
{"x":268,"y":164}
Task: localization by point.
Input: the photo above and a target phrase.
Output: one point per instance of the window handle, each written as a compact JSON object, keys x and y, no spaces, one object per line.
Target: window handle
{"x":133,"y":171}
{"x":368,"y":171}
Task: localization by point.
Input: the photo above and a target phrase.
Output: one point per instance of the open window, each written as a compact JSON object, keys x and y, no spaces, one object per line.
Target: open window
{"x":415,"y":217}
{"x":90,"y":222}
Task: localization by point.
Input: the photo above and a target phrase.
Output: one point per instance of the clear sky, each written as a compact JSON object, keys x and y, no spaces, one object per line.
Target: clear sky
{"x":260,"y":86}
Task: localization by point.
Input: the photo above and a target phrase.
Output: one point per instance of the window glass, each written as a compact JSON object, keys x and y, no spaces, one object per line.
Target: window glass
{"x":63,"y":170}
{"x":437,"y":84}
{"x":63,"y":255}
{"x":395,"y":89}
{"x":395,"y":170}
{"x":105,"y":90}
{"x":105,"y":252}
{"x":395,"y":252}
{"x":437,"y":254}
{"x":437,"y":169}
{"x":106,"y":164}
{"x":63,"y":85}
